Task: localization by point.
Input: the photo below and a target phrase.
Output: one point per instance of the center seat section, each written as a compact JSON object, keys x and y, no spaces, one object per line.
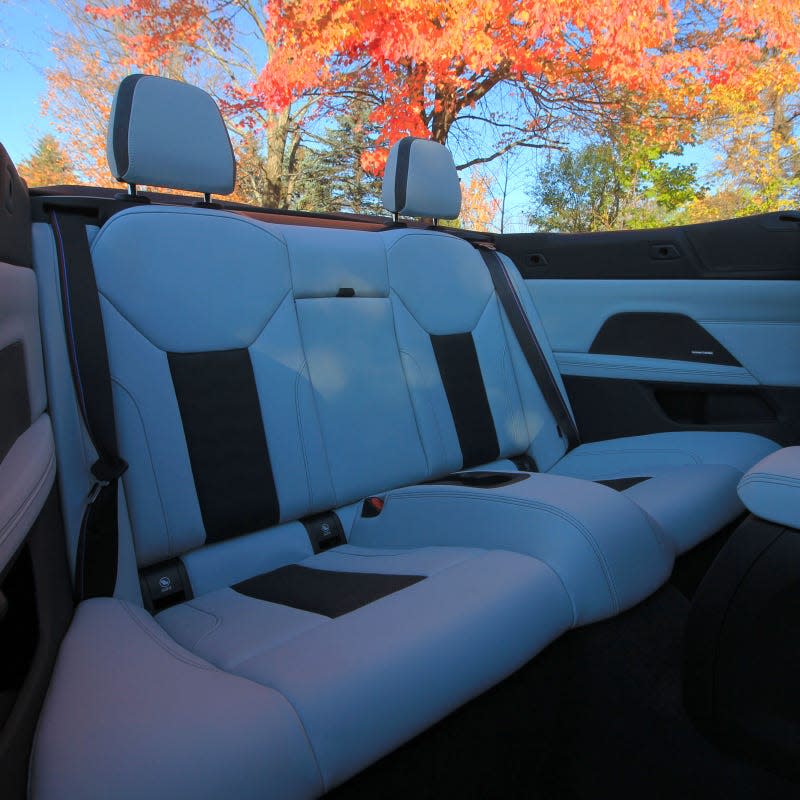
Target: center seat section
{"x":477,"y":399}
{"x":265,"y":665}
{"x":380,"y":426}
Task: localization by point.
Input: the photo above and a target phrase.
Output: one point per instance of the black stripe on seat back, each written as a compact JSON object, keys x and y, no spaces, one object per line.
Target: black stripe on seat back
{"x":224,"y":430}
{"x":458,"y":365}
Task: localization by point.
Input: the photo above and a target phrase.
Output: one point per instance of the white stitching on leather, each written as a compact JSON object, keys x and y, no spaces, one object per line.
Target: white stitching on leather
{"x":47,"y":475}
{"x":300,"y":373}
{"x":122,"y":387}
{"x":545,"y":507}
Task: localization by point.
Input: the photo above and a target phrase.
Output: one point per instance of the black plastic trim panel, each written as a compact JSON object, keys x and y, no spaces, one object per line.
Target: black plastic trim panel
{"x":765,"y":246}
{"x":607,"y":408}
{"x":15,"y":407}
{"x":16,"y":241}
{"x":480,"y":479}
{"x":39,"y":592}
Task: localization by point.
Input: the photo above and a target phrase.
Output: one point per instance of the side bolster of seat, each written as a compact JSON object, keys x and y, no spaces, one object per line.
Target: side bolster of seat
{"x":691,"y":502}
{"x":130,"y":714}
{"x":532,"y":313}
{"x":606,"y":550}
{"x":634,"y":455}
{"x":27,"y":473}
{"x":771,"y":489}
{"x":74,"y":451}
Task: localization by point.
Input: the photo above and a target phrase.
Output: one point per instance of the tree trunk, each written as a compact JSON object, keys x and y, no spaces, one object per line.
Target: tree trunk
{"x":274,"y":176}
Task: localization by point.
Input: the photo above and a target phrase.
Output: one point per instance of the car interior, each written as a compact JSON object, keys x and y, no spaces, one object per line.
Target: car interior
{"x":297,"y":504}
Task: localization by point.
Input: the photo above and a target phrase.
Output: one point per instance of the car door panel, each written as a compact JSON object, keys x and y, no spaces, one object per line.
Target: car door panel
{"x":696,"y":327}
{"x":757,"y":322}
{"x":35,"y":591}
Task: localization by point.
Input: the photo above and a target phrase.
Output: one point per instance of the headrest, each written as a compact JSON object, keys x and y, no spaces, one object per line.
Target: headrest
{"x":170,"y":134}
{"x":420,"y":180}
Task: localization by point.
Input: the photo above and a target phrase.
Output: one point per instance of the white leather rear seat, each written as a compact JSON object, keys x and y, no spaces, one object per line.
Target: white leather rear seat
{"x":287,"y":671}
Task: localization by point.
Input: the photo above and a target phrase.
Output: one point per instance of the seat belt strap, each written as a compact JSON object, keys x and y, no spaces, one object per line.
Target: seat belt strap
{"x":98,"y":543}
{"x":531,"y":349}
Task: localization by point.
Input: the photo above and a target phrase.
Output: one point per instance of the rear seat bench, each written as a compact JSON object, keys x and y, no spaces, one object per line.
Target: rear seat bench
{"x":263,"y":375}
{"x":280,"y":684}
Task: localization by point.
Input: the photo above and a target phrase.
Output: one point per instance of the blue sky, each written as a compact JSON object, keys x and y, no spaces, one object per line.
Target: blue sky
{"x":25,"y":27}
{"x":25,"y":51}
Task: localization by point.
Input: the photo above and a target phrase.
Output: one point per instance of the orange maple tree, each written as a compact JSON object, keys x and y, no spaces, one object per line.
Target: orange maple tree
{"x":479,"y":206}
{"x":569,"y":65}
{"x":220,"y":45}
{"x":484,"y":76}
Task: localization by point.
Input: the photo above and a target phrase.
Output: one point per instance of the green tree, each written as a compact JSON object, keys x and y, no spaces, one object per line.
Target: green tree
{"x":48,"y":165}
{"x":605,"y":186}
{"x":330,"y":176}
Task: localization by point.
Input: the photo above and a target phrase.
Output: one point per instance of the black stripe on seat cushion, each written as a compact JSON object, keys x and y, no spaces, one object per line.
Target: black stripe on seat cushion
{"x":323,"y":591}
{"x":460,"y":370}
{"x":224,"y":430}
{"x":621,"y":484}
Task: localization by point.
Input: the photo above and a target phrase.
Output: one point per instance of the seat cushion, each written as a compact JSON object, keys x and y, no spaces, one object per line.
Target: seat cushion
{"x":636,"y":455}
{"x":606,"y":550}
{"x":364,"y":682}
{"x":771,"y":489}
{"x":690,"y":489}
{"x":131,"y":714}
{"x":689,"y":503}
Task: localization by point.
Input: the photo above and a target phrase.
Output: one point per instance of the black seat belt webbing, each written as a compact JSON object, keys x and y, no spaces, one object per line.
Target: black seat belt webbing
{"x":531,"y":348}
{"x":96,"y":560}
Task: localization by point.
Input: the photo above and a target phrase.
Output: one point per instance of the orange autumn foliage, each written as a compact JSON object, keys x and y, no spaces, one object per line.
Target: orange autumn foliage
{"x":478,"y":206}
{"x":48,"y":165}
{"x":596,"y":67}
{"x":588,"y":63}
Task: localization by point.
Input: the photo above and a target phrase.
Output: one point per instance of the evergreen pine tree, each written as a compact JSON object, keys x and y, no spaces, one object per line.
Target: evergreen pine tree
{"x":48,"y":165}
{"x":330,"y":175}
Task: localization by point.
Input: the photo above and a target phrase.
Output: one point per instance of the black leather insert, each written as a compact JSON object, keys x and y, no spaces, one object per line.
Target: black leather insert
{"x":227,"y":444}
{"x":321,"y":591}
{"x":460,"y":370}
{"x":621,"y":484}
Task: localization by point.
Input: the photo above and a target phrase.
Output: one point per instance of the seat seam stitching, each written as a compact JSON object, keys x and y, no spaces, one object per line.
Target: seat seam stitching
{"x":546,"y":507}
{"x":426,"y":399}
{"x":304,"y":352}
{"x":124,"y":388}
{"x":301,"y":430}
{"x":29,"y":499}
